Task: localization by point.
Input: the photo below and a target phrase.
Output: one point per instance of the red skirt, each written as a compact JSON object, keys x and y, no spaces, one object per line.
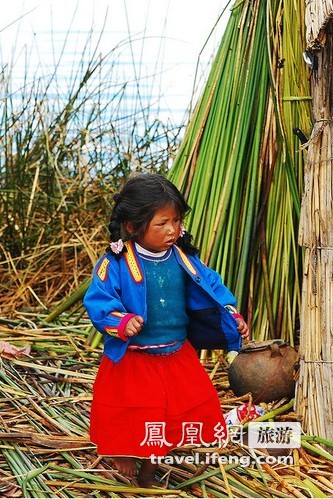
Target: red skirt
{"x":147,"y":405}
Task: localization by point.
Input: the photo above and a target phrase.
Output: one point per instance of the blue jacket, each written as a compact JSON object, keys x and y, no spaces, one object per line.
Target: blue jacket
{"x":118,"y":292}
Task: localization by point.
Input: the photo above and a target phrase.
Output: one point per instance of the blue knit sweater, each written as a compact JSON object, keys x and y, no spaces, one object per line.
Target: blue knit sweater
{"x":167,"y":320}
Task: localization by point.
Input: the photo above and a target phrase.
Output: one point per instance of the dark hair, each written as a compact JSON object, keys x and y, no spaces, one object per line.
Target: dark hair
{"x":138,"y":200}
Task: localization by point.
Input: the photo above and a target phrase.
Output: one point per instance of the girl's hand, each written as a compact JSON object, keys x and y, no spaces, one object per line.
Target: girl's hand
{"x":243,"y":328}
{"x":134,"y":326}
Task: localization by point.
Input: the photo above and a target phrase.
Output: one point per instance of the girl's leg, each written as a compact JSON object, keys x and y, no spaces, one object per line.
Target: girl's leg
{"x":126,"y":465}
{"x":146,"y":476}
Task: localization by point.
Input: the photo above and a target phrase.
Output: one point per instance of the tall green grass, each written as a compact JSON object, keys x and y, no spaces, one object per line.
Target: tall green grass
{"x":64,"y":152}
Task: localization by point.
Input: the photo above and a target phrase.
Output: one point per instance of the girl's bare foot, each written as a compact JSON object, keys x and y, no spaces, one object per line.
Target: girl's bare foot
{"x":146,"y":476}
{"x":126,"y":466}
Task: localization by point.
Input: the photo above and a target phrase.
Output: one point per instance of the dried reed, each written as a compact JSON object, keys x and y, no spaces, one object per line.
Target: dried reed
{"x":44,"y":444}
{"x":314,"y":399}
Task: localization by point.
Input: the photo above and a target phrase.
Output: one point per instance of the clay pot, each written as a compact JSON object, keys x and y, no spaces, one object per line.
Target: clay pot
{"x":266,"y":369}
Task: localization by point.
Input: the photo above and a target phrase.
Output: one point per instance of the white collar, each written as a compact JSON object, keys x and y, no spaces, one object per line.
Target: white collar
{"x":144,"y":251}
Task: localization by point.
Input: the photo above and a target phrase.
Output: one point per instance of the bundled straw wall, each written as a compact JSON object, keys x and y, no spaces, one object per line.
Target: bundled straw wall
{"x":314,"y":396}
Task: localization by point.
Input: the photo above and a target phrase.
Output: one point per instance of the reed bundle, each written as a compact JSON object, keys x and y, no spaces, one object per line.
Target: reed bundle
{"x":314,"y":393}
{"x":240,"y":165}
{"x":45,"y":451}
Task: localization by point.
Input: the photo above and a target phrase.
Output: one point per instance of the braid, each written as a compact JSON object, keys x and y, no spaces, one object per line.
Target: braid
{"x":115,"y":226}
{"x":185,"y":243}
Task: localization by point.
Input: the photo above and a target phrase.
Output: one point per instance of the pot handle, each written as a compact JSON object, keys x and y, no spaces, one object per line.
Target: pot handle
{"x":275,"y":350}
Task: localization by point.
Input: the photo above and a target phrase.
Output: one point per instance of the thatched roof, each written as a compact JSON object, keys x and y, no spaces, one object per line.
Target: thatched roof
{"x":317,"y":15}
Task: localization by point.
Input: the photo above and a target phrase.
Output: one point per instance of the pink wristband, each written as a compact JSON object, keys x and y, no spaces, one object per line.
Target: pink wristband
{"x":237,"y":316}
{"x":122,"y":326}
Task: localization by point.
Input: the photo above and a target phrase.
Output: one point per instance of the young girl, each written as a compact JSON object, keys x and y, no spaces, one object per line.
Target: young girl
{"x":151,"y":393}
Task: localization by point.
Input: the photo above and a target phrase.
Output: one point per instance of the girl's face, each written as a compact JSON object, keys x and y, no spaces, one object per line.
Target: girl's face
{"x":163,"y":230}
